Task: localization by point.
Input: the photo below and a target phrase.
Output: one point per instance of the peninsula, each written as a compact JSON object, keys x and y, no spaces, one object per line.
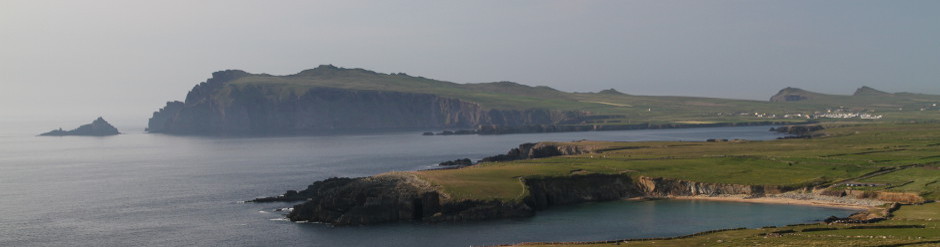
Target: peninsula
{"x":330,"y":99}
{"x":872,"y":167}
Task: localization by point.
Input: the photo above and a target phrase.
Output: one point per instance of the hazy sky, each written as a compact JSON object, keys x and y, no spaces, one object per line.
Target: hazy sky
{"x":125,"y":59}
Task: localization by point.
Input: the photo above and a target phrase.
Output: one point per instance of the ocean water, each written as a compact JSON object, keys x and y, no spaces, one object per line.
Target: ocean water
{"x":156,"y":190}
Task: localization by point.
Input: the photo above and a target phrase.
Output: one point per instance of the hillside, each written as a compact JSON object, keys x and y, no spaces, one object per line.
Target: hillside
{"x":864,"y":99}
{"x":330,"y":99}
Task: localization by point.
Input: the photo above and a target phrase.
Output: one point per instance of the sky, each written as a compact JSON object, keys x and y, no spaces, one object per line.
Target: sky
{"x":125,"y":59}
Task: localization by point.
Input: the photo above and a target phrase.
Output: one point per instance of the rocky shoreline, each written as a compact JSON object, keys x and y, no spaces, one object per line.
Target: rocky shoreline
{"x":405,"y":196}
{"x":399,"y":196}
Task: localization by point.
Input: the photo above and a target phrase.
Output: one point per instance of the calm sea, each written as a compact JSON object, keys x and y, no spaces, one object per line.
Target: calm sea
{"x":139,"y":189}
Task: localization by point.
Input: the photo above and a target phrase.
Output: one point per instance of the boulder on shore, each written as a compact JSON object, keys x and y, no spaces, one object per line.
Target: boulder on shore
{"x":99,"y":127}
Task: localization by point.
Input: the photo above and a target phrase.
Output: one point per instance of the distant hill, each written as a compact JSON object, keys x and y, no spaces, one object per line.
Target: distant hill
{"x":331,"y":99}
{"x":790,"y":94}
{"x":867,"y":91}
{"x":864,"y":99}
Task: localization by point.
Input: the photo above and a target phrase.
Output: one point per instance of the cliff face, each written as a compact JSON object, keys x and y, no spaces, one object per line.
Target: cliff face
{"x":545,"y":192}
{"x":370,"y":200}
{"x":366,"y":201}
{"x":389,"y":198}
{"x":216,"y":107}
{"x":664,"y":187}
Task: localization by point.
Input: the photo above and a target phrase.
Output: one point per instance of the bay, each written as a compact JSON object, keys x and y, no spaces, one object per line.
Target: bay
{"x":159,"y":190}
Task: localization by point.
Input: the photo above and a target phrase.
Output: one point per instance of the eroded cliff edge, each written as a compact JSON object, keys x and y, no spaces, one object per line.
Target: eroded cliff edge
{"x":220,"y":106}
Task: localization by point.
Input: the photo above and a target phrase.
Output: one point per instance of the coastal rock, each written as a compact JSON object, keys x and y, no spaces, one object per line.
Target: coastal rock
{"x":538,"y":150}
{"x":666,"y":187}
{"x":366,"y":200}
{"x":546,"y":192}
{"x":391,"y":198}
{"x":99,"y":127}
{"x":457,"y":162}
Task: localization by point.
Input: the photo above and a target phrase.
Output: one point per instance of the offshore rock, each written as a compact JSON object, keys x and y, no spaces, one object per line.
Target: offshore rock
{"x":99,"y":127}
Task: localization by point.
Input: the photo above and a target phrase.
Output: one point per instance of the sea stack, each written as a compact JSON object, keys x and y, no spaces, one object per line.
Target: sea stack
{"x":99,"y":127}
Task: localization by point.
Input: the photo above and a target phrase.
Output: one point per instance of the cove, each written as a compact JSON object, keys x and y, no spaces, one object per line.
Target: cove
{"x":581,"y":222}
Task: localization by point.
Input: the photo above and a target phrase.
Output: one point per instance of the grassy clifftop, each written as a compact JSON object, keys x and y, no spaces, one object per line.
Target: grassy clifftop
{"x":865,"y":159}
{"x":847,"y":153}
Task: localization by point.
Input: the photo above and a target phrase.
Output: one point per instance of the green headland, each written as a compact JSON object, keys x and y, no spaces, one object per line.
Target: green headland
{"x":890,"y":172}
{"x":329,"y":98}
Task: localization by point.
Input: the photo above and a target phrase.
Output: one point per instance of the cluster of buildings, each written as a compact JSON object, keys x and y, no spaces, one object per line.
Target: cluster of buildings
{"x":845,"y":115}
{"x":817,"y":115}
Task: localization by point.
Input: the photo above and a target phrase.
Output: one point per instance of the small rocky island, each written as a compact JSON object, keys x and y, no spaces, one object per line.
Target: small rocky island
{"x":99,"y":127}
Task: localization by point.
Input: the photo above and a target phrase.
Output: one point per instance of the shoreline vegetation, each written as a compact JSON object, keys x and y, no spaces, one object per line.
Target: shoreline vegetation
{"x":869,"y":167}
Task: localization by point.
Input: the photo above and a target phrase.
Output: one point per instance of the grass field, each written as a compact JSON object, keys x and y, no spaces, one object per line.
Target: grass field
{"x":906,"y":155}
{"x":849,"y":152}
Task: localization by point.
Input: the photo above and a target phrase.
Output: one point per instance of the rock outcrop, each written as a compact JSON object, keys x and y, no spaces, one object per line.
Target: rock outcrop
{"x":546,"y":192}
{"x":539,"y":150}
{"x":388,"y":198}
{"x":99,"y":127}
{"x":457,"y":162}
{"x":366,"y":201}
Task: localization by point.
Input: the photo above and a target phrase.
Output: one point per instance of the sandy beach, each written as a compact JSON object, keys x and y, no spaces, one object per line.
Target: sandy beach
{"x":780,"y":200}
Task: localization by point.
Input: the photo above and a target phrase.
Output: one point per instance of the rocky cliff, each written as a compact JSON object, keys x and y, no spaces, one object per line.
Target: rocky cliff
{"x":99,"y":127}
{"x":388,"y":198}
{"x":220,"y":107}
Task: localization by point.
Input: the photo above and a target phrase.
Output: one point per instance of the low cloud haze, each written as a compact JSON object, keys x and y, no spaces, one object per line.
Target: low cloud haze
{"x":125,"y":59}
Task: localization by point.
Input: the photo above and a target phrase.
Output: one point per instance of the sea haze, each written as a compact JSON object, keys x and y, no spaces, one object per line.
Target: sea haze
{"x":157,"y":190}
